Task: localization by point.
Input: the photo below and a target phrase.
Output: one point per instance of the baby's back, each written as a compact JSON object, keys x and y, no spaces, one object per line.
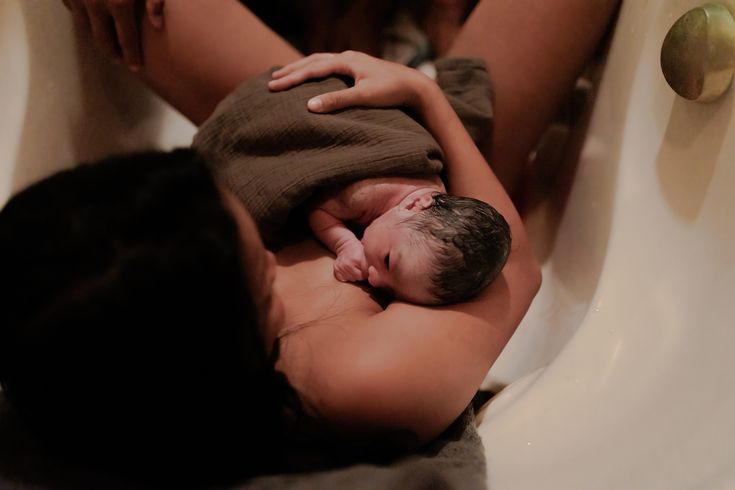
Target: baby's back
{"x":364,"y":200}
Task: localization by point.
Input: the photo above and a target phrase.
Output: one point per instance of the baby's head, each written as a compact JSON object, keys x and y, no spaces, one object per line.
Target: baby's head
{"x":436,"y":248}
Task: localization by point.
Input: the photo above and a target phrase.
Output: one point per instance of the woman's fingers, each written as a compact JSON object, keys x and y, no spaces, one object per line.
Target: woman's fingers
{"x":333,"y":101}
{"x":126,"y":27}
{"x":103,"y":28}
{"x":154,"y":10}
{"x":114,"y":25}
{"x":378,"y":83}
{"x":314,"y":69}
{"x":78,"y":12}
{"x":291,"y":67}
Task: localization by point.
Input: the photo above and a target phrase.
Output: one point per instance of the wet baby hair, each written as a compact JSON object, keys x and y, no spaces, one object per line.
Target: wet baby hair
{"x":470,"y":241}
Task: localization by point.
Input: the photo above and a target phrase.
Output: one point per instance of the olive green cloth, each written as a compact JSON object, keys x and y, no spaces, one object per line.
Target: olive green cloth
{"x":273,"y":153}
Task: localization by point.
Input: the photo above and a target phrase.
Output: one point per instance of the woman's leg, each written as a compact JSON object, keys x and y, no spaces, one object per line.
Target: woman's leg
{"x":534,"y":52}
{"x":204,"y":50}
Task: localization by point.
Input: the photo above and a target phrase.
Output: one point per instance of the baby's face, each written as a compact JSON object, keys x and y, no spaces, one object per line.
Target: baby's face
{"x":396,"y":260}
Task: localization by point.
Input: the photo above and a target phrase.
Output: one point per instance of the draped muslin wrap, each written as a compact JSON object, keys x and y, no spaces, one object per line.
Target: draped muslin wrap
{"x":273,"y":153}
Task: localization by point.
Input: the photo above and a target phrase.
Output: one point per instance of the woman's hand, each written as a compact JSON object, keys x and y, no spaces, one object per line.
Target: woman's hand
{"x":378,"y":83}
{"x":114,"y":26}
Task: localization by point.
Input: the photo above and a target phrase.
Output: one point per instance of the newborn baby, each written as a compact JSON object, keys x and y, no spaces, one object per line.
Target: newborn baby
{"x":421,"y":244}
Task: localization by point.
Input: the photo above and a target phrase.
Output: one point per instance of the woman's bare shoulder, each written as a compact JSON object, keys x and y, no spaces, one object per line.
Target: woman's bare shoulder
{"x":405,"y":368}
{"x":402,"y":366}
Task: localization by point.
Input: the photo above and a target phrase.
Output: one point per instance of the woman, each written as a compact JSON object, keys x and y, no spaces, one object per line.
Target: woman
{"x":403,"y":372}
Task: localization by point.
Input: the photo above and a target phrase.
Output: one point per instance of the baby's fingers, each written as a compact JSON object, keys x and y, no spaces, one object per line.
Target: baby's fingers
{"x":339,"y":275}
{"x":348,"y":273}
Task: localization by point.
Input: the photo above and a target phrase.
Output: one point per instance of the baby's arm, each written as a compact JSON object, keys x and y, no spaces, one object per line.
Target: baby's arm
{"x":350,"y":264}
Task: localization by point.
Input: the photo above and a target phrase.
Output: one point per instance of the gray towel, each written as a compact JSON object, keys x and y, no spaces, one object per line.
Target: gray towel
{"x":456,"y":460}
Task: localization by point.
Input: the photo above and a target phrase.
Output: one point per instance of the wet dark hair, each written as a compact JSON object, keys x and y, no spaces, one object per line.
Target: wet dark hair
{"x":127,"y":333}
{"x":470,"y":241}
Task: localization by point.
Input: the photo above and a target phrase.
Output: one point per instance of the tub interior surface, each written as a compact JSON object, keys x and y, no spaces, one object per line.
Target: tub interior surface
{"x":64,"y":104}
{"x":641,"y":395}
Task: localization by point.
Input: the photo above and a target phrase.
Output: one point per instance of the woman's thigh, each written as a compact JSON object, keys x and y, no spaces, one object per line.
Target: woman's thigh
{"x":534,"y":50}
{"x":205,"y":49}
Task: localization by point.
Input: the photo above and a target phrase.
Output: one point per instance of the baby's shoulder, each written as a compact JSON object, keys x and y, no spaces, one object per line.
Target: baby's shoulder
{"x":353,"y":200}
{"x":368,"y":190}
{"x":362,"y":200}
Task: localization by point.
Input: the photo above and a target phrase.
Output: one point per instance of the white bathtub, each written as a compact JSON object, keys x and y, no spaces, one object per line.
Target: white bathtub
{"x":642,"y":273}
{"x":60,"y":104}
{"x":622,"y":375}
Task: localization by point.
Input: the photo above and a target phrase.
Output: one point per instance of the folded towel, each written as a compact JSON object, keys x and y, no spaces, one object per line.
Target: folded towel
{"x":455,"y":461}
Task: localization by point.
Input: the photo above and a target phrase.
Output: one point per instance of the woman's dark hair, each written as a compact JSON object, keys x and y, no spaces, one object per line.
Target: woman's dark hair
{"x":127,"y":334}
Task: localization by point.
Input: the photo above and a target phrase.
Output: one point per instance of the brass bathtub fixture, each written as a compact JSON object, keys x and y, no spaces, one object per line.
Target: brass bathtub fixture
{"x":698,"y":53}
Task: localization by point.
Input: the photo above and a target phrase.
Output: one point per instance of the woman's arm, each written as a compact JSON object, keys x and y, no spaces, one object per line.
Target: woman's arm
{"x":416,"y":367}
{"x":204,"y":50}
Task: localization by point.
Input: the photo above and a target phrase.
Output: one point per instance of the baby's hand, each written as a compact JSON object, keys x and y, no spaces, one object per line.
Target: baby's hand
{"x":351,"y":264}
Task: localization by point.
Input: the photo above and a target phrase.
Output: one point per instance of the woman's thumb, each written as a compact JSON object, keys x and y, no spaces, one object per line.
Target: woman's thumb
{"x":333,"y":101}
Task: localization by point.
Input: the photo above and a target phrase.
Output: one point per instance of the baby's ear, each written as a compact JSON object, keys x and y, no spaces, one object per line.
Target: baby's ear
{"x":417,"y":203}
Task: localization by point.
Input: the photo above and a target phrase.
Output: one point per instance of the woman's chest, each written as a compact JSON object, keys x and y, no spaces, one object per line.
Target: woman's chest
{"x":311,"y":295}
{"x":322,"y":329}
